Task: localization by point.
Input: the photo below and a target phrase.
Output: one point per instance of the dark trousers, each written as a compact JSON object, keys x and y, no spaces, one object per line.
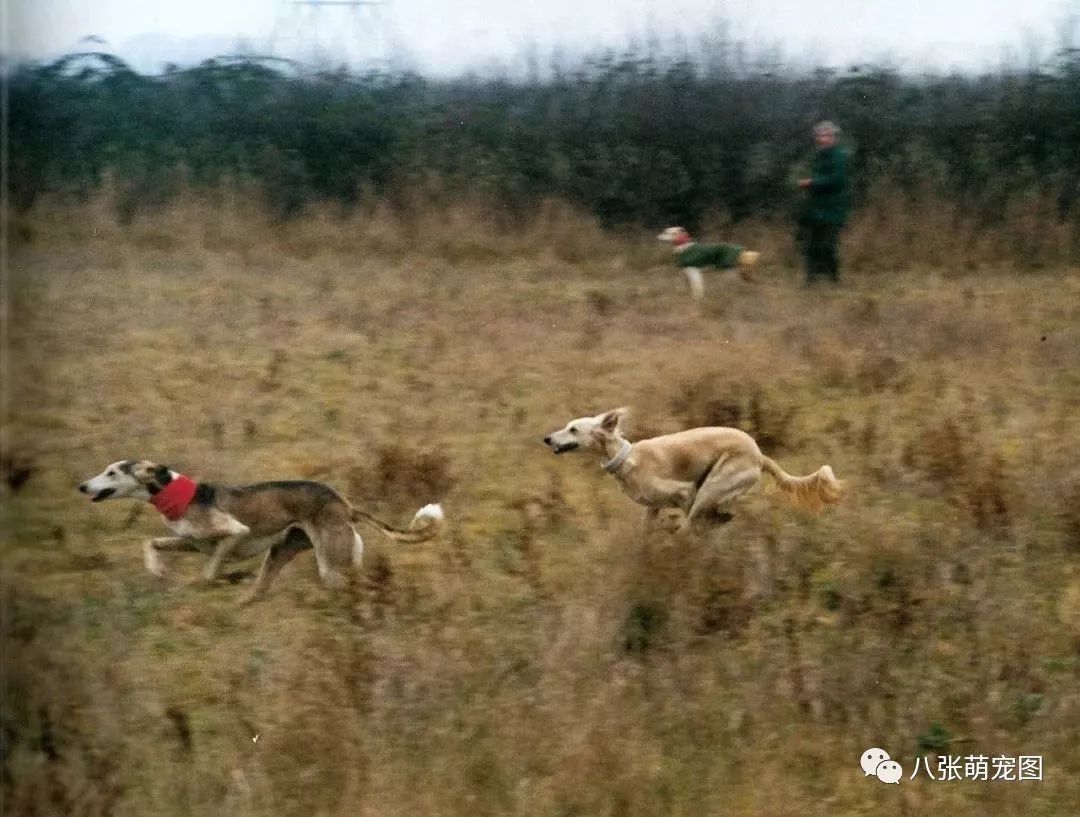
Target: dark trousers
{"x":820,"y":251}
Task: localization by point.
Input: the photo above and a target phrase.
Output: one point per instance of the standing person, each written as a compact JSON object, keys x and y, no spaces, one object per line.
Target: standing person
{"x":825,"y":210}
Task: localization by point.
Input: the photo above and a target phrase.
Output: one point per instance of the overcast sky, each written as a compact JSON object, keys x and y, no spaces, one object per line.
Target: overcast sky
{"x":445,"y":36}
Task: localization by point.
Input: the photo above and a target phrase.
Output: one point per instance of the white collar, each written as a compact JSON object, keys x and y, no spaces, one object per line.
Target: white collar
{"x":612,"y":465}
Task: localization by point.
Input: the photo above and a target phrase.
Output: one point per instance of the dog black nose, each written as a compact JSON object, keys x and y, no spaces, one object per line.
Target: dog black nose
{"x":83,"y":488}
{"x":547,"y":440}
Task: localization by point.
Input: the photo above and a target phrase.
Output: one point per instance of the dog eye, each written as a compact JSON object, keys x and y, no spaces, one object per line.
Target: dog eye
{"x":573,"y":429}
{"x":110,"y":474}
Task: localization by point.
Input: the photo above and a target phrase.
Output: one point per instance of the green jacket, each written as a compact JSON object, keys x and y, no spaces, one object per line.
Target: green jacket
{"x":829,"y":196}
{"x":710,"y":255}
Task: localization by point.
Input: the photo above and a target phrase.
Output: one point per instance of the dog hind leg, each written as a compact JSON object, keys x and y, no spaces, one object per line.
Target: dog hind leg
{"x":276,"y":558}
{"x":725,"y":484}
{"x":335,"y":548}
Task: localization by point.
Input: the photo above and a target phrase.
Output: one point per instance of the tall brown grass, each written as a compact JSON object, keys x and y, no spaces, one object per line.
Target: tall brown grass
{"x":544,"y":657}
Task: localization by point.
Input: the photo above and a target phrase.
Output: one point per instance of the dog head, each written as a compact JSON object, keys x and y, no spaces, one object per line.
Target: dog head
{"x":127,"y":479}
{"x":676,"y":236}
{"x":587,"y":432}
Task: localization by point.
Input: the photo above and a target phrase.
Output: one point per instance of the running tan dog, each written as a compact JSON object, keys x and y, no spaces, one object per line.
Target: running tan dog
{"x":692,"y":256}
{"x":233,"y":523}
{"x":700,"y":471}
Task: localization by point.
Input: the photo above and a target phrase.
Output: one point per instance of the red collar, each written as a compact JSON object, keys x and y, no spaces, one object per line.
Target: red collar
{"x":683,"y":238}
{"x":173,"y":500}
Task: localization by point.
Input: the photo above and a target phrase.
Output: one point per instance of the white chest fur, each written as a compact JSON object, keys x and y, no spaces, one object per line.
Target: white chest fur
{"x":218,"y":524}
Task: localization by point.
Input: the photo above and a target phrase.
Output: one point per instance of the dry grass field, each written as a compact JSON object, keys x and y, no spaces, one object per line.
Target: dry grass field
{"x":544,"y":656}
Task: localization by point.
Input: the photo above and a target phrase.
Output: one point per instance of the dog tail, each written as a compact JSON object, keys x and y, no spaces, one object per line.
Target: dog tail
{"x":812,"y":492}
{"x":425,"y":524}
{"x":747,"y":259}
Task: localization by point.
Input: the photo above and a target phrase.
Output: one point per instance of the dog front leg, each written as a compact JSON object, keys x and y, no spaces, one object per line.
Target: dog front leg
{"x":153,"y":549}
{"x":651,"y":515}
{"x":696,"y":282}
{"x":228,"y":531}
{"x":669,"y":493}
{"x":222,"y":550}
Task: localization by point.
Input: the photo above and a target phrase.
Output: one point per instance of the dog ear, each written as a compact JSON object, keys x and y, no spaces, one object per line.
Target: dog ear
{"x":612,"y":420}
{"x":162,"y":475}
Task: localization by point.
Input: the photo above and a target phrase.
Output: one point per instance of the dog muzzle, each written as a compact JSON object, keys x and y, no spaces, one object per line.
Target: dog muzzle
{"x":559,"y":448}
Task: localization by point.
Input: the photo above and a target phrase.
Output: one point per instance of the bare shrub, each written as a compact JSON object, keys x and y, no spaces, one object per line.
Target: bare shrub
{"x":942,"y":451}
{"x":953,"y":456}
{"x":708,"y":401}
{"x":1070,"y":516}
{"x":878,"y":372}
{"x":402,"y":474}
{"x":715,"y":401}
{"x":58,"y":756}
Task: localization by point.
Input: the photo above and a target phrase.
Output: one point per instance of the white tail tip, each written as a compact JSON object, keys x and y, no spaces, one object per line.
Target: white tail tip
{"x":432,"y":510}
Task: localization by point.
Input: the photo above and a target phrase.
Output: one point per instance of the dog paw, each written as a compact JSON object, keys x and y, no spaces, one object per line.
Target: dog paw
{"x":249,"y":598}
{"x":157,"y":570}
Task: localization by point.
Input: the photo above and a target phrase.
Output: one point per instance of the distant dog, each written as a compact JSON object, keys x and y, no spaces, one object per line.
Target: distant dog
{"x":233,"y":523}
{"x":701,"y":471}
{"x":692,"y":256}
